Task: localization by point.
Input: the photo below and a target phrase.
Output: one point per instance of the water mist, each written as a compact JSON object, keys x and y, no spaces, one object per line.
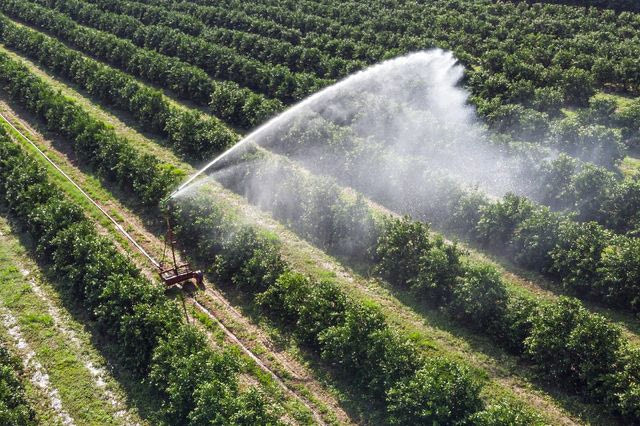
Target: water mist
{"x":392,"y":132}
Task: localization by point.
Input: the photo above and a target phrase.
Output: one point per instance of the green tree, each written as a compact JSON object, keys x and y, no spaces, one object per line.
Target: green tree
{"x":440,"y":393}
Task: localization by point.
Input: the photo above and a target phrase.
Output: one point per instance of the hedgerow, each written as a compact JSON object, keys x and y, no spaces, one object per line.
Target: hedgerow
{"x":15,"y":409}
{"x":406,"y":254}
{"x":351,"y":335}
{"x":562,"y":340}
{"x":296,"y":58}
{"x":516,"y":84}
{"x":217,"y":60}
{"x":125,"y":305}
{"x":526,"y":232}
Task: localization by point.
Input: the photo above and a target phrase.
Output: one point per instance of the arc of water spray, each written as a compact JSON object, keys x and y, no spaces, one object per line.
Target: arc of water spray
{"x":275,"y":121}
{"x":291,"y":112}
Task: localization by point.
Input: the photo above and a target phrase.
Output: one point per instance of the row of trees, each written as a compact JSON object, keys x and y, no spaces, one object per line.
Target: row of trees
{"x":563,"y":183}
{"x":196,"y":384}
{"x":191,"y":134}
{"x":237,"y":106}
{"x":219,"y":16}
{"x":517,"y":85}
{"x":277,"y":52}
{"x":405,"y":254}
{"x":243,"y":243}
{"x":533,"y":236}
{"x":584,"y":258}
{"x":15,"y":409}
{"x":241,"y":255}
{"x":312,"y":206}
{"x":113,"y":158}
{"x":219,"y":61}
{"x":618,"y":5}
{"x":590,"y":193}
{"x":351,"y":335}
{"x":504,"y":87}
{"x":196,"y":139}
{"x":593,"y":192}
{"x":565,"y":343}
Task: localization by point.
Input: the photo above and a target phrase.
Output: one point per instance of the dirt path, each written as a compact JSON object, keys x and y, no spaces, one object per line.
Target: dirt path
{"x":38,"y":375}
{"x":98,"y":373}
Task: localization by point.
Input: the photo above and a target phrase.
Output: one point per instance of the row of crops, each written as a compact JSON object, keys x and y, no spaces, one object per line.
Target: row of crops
{"x":15,"y":409}
{"x":594,"y":192}
{"x":551,"y":257}
{"x":519,"y":85}
{"x":596,"y":138}
{"x":247,"y":258}
{"x":241,"y":68}
{"x":469,"y":292}
{"x":563,"y":184}
{"x":198,"y":384}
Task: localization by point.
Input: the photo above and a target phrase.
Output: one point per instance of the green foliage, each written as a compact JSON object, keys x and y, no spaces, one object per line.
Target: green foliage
{"x":285,"y":297}
{"x":352,"y":336}
{"x":314,"y":207}
{"x":217,"y":60}
{"x":248,"y":409}
{"x":626,"y":381}
{"x":499,"y":220}
{"x":591,"y":142}
{"x":407,"y":256}
{"x":573,"y":347}
{"x":440,"y":393}
{"x":250,"y":261}
{"x":236,"y":105}
{"x":619,"y":273}
{"x":188,"y":373}
{"x":479,"y":298}
{"x":534,"y":238}
{"x":15,"y":410}
{"x":516,"y":85}
{"x":152,"y":340}
{"x":366,"y":351}
{"x":518,"y":322}
{"x":112,"y":157}
{"x":191,"y":134}
{"x":310,"y":307}
{"x":577,"y":253}
{"x":629,"y":119}
{"x":507,"y":413}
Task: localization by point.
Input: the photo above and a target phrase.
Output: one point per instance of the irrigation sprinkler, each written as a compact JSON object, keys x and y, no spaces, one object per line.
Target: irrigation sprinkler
{"x":173,"y":273}
{"x":176,"y":273}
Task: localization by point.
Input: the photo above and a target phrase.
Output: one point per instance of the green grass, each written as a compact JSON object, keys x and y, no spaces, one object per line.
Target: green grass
{"x":63,"y":361}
